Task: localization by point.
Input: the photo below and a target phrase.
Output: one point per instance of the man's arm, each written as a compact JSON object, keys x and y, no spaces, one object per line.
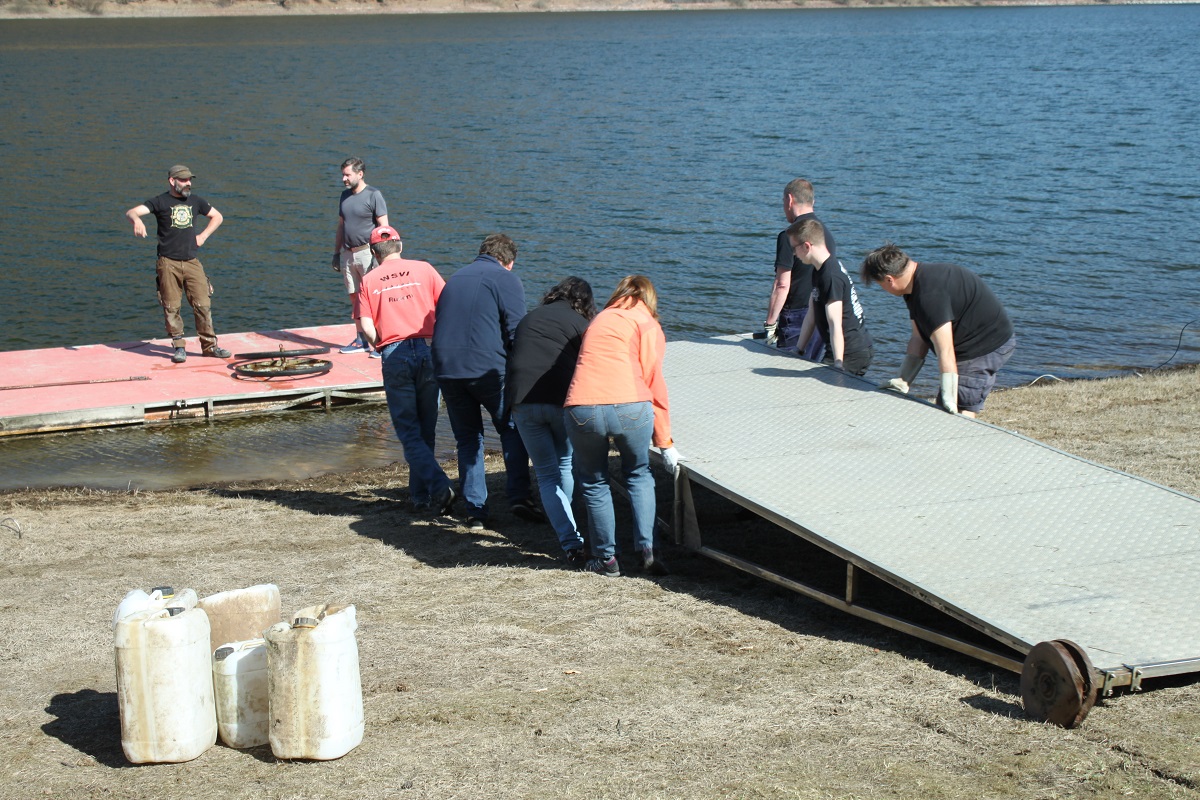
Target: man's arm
{"x":214,"y":221}
{"x":381,"y":221}
{"x":916,"y":345}
{"x":837,"y":340}
{"x":943,"y":345}
{"x":336,"y":263}
{"x":135,"y":215}
{"x":368,"y":329}
{"x":779,"y":293}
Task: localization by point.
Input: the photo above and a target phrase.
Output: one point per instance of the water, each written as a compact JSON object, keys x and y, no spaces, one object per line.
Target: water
{"x":1053,"y":150}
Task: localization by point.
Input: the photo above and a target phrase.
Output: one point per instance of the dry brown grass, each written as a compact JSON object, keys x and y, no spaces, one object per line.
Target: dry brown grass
{"x":488,"y":671}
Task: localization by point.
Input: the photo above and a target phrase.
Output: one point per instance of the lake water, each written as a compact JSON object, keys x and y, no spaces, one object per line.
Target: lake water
{"x":1053,"y":149}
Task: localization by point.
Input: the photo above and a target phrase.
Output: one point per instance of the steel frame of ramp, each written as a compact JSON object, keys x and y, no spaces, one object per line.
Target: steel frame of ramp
{"x":1011,"y":541}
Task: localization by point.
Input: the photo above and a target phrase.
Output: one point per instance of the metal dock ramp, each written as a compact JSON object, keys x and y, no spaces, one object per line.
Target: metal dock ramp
{"x":1011,"y":542}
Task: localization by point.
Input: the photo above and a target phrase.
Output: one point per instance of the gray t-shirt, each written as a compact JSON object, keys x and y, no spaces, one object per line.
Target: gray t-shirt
{"x":359,"y":212}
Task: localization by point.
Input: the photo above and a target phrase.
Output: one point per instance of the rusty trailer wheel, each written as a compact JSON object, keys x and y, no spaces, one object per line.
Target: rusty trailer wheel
{"x":1058,"y":683}
{"x":282,"y":368}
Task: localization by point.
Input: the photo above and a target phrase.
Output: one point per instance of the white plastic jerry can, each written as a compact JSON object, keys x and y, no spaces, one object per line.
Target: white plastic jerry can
{"x":239,"y":675}
{"x":314,"y":685}
{"x":241,"y":614}
{"x":158,"y":597}
{"x":164,"y":685}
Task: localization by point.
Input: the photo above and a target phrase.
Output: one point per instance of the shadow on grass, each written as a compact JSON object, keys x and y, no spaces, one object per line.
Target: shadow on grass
{"x":381,"y":512}
{"x":89,"y":722}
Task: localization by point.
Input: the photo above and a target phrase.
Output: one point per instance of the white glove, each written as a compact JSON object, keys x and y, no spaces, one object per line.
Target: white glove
{"x":949,"y":395}
{"x":671,"y":459}
{"x":770,"y":328}
{"x":908,"y":373}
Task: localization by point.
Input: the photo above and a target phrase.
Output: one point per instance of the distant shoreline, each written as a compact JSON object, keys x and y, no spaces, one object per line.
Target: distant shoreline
{"x":167,"y":9}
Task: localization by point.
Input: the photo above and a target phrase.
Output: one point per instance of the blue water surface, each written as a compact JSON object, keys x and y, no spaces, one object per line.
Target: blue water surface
{"x":1052,"y":149}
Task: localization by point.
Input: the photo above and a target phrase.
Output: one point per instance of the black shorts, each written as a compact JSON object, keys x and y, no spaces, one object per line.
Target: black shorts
{"x":977,"y":376}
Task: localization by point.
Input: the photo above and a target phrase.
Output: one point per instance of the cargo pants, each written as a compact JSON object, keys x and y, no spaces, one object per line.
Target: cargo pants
{"x":175,"y":280}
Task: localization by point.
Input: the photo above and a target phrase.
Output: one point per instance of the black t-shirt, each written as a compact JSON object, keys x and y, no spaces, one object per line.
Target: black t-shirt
{"x":944,"y":293}
{"x":832,"y":283}
{"x":176,"y":218}
{"x":545,"y":348}
{"x":785,"y":257}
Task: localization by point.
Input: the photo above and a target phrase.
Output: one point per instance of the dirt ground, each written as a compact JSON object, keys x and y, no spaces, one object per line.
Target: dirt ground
{"x":488,"y":670}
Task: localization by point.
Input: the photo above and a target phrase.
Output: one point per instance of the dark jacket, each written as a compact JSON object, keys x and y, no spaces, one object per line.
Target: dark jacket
{"x":543,"y":357}
{"x":477,"y":316}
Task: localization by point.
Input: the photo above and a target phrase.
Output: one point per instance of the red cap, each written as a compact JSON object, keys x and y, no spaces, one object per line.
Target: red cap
{"x":384,"y":233}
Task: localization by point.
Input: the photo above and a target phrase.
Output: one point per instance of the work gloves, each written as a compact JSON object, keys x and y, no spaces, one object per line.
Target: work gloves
{"x":671,"y":459}
{"x":908,"y":373}
{"x":769,"y":328}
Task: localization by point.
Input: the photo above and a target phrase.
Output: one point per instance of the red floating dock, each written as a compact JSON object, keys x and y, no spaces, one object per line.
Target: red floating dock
{"x":133,"y":383}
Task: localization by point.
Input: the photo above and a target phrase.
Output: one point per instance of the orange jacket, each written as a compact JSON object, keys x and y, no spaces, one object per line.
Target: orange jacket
{"x":620,"y":361}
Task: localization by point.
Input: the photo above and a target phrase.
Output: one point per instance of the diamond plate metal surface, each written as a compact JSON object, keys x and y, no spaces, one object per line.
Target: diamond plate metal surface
{"x":1030,"y":542}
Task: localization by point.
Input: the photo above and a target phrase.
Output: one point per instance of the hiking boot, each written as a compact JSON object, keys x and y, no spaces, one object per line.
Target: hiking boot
{"x":443,"y":501}
{"x":652,"y":565}
{"x":179,"y":356}
{"x":218,"y":352}
{"x":421,"y":506}
{"x":475,"y":524}
{"x":609,"y":568}
{"x":577,"y":558}
{"x":526,"y":510}
{"x":357,"y":346}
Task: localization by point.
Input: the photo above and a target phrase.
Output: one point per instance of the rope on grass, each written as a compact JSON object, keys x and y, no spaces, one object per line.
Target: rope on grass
{"x":1051,"y":377}
{"x":1177,"y":346}
{"x":15,"y":526}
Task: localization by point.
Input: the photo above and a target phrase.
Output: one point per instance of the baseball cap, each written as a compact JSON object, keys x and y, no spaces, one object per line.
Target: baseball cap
{"x":384,"y":233}
{"x":180,"y":171}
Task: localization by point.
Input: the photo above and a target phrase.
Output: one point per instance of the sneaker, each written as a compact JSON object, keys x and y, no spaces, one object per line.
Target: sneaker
{"x":375,"y":354}
{"x":577,"y":558}
{"x":443,"y":501}
{"x":357,"y":346}
{"x":421,"y":506}
{"x":526,"y":510}
{"x":474,"y":524}
{"x":219,"y":352}
{"x":609,"y":568}
{"x":180,"y":355}
{"x":652,"y":565}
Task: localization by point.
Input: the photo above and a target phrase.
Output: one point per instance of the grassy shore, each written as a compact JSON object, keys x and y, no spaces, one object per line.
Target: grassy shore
{"x":66,"y":9}
{"x":490,"y":671}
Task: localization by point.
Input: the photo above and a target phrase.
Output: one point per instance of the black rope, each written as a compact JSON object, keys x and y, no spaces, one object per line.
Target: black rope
{"x":1177,"y":346}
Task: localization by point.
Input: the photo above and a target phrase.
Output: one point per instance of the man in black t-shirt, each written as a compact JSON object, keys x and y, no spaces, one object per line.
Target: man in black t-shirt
{"x":953,"y":311}
{"x":179,"y":271}
{"x":788,"y":303}
{"x":833,"y":308}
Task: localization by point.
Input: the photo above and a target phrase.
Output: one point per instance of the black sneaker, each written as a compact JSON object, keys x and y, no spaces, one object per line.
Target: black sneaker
{"x":652,"y":565}
{"x":179,"y":356}
{"x":475,"y":524}
{"x":443,"y":501}
{"x":421,"y":506}
{"x":609,"y":568}
{"x":218,"y":352}
{"x":577,"y":558}
{"x":526,"y":510}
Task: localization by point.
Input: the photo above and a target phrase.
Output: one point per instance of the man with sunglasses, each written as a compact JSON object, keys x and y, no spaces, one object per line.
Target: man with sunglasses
{"x":179,"y":271}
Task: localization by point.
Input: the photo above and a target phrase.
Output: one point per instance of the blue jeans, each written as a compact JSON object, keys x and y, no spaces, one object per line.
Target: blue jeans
{"x":788,"y":335}
{"x":412,"y":398}
{"x":464,"y":398}
{"x":545,"y":437}
{"x":631,"y":426}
